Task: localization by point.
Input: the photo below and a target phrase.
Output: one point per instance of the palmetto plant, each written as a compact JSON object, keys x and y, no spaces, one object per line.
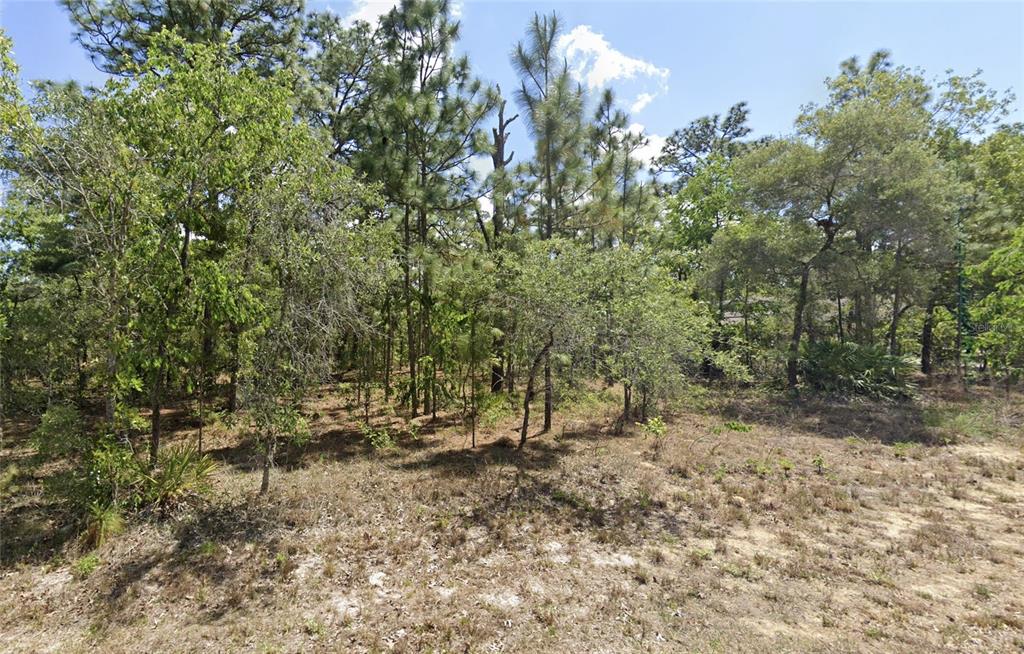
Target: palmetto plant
{"x":848,"y":368}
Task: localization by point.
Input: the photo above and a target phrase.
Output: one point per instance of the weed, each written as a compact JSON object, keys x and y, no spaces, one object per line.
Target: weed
{"x":315,"y":628}
{"x":572,"y":499}
{"x":698,"y":556}
{"x":901,"y":449}
{"x":413,"y":430}
{"x":207,"y":548}
{"x":880,"y":578}
{"x":738,"y":571}
{"x":85,"y":566}
{"x":654,"y":427}
{"x":379,"y":439}
{"x":819,"y":464}
{"x":760,"y":468}
{"x":786,"y":466}
{"x":874,"y":632}
{"x":735,"y":425}
{"x":285,"y":564}
{"x":102,"y":522}
{"x":8,"y":484}
{"x":720,"y":472}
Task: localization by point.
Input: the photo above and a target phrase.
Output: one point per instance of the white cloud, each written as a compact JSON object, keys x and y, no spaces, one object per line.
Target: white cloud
{"x":653,"y":146}
{"x":368,"y":10}
{"x":371,"y":10}
{"x":593,"y":61}
{"x":486,"y":205}
{"x":641,"y":101}
{"x":481,"y":165}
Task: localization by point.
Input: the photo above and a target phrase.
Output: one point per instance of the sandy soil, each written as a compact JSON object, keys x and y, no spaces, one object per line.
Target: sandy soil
{"x":754,"y":525}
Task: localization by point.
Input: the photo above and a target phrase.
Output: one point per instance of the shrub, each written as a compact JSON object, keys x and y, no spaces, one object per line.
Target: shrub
{"x":848,"y":368}
{"x":60,"y":433}
{"x":180,"y":471}
{"x":655,"y":427}
{"x":379,"y":439}
{"x":8,"y":480}
{"x":102,"y":522}
{"x":786,"y":466}
{"x":111,"y":480}
{"x":735,"y":425}
{"x":819,"y":463}
{"x":492,"y":408}
{"x":114,"y":475}
{"x":86,"y":565}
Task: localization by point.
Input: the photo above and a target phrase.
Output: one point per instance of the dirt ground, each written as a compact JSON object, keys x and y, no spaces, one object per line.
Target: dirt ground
{"x":755,"y":524}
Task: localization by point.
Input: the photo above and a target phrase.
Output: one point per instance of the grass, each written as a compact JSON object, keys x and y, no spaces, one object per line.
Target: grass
{"x":86,"y":565}
{"x":793,"y":535}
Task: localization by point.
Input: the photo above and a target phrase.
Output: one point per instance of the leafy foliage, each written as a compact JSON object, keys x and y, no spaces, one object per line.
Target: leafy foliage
{"x":848,"y":368}
{"x":265,"y":202}
{"x":181,"y":472}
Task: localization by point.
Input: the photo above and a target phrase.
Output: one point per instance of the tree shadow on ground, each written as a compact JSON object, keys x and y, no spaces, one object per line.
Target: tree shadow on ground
{"x":204,"y":538}
{"x":884,"y":422}
{"x":614,"y":514}
{"x":338,"y":443}
{"x":33,"y":531}
{"x":465,"y":462}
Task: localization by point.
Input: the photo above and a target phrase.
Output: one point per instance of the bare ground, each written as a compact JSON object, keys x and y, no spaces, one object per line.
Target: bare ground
{"x":754,"y":525}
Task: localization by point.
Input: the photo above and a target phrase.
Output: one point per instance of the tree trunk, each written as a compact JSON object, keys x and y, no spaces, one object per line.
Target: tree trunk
{"x":798,"y":328}
{"x":497,"y":373}
{"x":627,"y":399}
{"x":388,"y":347}
{"x":839,"y":318}
{"x":110,"y":402}
{"x":472,"y":378}
{"x":268,"y":463}
{"x":548,"y":393}
{"x":233,"y":368}
{"x":156,"y":400}
{"x":529,"y":390}
{"x":499,"y":162}
{"x":894,"y":345}
{"x":410,"y":326}
{"x":897,"y":299}
{"x":926,"y":337}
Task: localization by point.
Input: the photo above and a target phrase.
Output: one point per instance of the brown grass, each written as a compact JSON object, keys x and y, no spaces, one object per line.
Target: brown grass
{"x":822,"y":527}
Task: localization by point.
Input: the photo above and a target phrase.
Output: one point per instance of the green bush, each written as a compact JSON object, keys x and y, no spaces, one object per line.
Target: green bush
{"x":60,"y":433}
{"x":86,"y":565}
{"x":379,"y":439}
{"x":180,"y":471}
{"x":655,"y":427}
{"x":492,"y":408}
{"x":114,"y":474}
{"x":111,"y":480}
{"x":847,"y":368}
{"x":103,"y":522}
{"x":736,"y":425}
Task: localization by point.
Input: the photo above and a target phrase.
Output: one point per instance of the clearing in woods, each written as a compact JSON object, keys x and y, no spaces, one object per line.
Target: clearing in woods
{"x":753,"y":524}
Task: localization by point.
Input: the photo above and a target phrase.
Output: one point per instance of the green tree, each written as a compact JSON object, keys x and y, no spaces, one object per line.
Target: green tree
{"x":853,"y":160}
{"x":118,"y":34}
{"x":547,"y":293}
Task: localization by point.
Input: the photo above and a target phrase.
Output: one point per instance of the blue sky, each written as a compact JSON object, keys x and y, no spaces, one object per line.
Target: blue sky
{"x":671,"y":61}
